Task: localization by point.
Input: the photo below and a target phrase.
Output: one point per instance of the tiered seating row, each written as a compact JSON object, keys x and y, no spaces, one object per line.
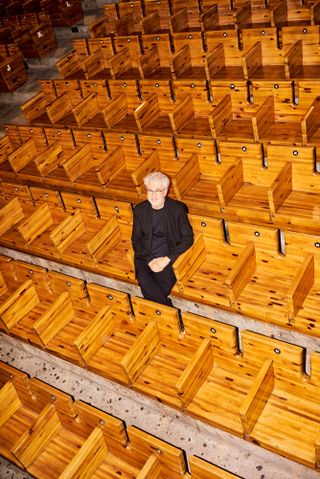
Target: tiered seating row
{"x":189,"y":362}
{"x":266,"y":184}
{"x":278,"y":113}
{"x":61,"y":12}
{"x":47,"y":433}
{"x":246,"y":270}
{"x":202,"y":15}
{"x":231,"y":55}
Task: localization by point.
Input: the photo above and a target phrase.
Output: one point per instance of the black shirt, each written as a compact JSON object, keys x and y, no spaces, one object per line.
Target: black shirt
{"x":159,"y":234}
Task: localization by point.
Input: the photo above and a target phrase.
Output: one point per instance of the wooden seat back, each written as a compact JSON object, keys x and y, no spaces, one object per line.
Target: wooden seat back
{"x":163,"y":42}
{"x":71,"y":87}
{"x":152,"y":6}
{"x":133,"y":8}
{"x":36,"y":133}
{"x":132,"y":43}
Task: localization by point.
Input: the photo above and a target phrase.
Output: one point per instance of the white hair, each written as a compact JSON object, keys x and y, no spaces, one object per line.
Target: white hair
{"x":157,"y":177}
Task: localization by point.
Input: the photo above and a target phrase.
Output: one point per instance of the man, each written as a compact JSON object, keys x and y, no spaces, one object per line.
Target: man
{"x":161,"y":232}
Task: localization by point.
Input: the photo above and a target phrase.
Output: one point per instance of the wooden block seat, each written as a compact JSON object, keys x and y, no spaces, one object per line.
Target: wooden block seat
{"x":12,"y":69}
{"x":27,"y":406}
{"x":188,"y":59}
{"x":224,"y":57}
{"x":71,"y":65}
{"x":217,"y":16}
{"x":293,"y":196}
{"x":133,"y":8}
{"x":163,"y":11}
{"x":288,"y":423}
{"x":196,"y":184}
{"x":154,"y":21}
{"x":184,"y":20}
{"x":301,"y":46}
{"x":263,"y":283}
{"x":193,"y":9}
{"x":201,"y":271}
{"x":262,"y":57}
{"x":34,"y":109}
{"x":252,"y":14}
{"x":151,"y":117}
{"x":243,"y":188}
{"x":156,"y":61}
{"x":171,"y":361}
{"x":290,"y":12}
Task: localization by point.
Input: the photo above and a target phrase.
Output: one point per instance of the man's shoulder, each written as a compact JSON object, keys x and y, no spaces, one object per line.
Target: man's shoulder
{"x":140,"y":207}
{"x":176,"y":204}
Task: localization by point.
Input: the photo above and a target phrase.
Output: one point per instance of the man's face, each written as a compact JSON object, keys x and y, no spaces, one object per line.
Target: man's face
{"x":156,"y":194}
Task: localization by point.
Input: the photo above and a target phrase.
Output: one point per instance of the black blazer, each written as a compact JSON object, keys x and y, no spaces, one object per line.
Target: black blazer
{"x":179,"y":229}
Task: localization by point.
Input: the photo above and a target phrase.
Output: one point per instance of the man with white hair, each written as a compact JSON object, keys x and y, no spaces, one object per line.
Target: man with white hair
{"x":161,"y":232}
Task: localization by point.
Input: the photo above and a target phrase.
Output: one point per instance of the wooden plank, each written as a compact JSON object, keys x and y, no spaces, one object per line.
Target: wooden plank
{"x":113,"y":165}
{"x":195,"y":373}
{"x":23,"y":155}
{"x":71,"y":229}
{"x":300,"y":287}
{"x":187,"y":263}
{"x":280,"y":189}
{"x":142,"y":351}
{"x":79,"y":163}
{"x":9,"y":402}
{"x":19,"y":304}
{"x":88,"y":459}
{"x":36,"y":224}
{"x":49,"y":159}
{"x":10,"y":215}
{"x":257,"y":397}
{"x":31,"y":444}
{"x":94,"y":336}
{"x":230,"y":184}
{"x":105,"y":240}
{"x":60,"y":313}
{"x":241,"y":272}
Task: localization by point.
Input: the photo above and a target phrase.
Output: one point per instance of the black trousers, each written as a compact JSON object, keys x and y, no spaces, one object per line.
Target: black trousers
{"x":155,"y":286}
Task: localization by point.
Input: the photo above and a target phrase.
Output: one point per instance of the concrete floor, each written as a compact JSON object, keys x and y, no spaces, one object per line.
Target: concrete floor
{"x":236,"y":455}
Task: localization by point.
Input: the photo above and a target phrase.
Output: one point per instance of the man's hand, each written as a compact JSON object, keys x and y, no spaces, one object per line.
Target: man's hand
{"x":158,"y":264}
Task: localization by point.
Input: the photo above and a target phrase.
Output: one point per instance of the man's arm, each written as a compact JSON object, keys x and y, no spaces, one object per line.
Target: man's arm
{"x":186,"y":235}
{"x":137,"y":238}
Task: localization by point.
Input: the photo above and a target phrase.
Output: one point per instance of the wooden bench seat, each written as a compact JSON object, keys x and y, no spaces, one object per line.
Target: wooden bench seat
{"x":13,"y":72}
{"x":132,"y":45}
{"x":293,"y":195}
{"x":217,"y":16}
{"x":252,"y":14}
{"x":162,"y":9}
{"x":202,"y":270}
{"x":224,"y":57}
{"x":290,"y":12}
{"x":188,"y":61}
{"x":262,"y":57}
{"x":243,"y":189}
{"x":155,"y":63}
{"x":268,"y":278}
{"x":70,"y":66}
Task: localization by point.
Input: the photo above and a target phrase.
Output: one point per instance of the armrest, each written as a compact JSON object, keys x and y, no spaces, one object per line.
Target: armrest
{"x":105,"y":240}
{"x":179,"y":21}
{"x":116,"y":111}
{"x":300,"y":287}
{"x":180,"y":62}
{"x":152,"y":163}
{"x":9,"y":402}
{"x":112,"y":166}
{"x":86,"y":109}
{"x":120,"y":63}
{"x":280,"y":189}
{"x":35,"y":440}
{"x":49,"y":159}
{"x":10,"y":215}
{"x":60,"y":313}
{"x":252,"y":60}
{"x":311,"y":121}
{"x":243,"y":15}
{"x":147,"y":112}
{"x":95,"y":63}
{"x":195,"y":373}
{"x":79,"y":163}
{"x":88,"y":458}
{"x":293,"y":60}
{"x":35,"y":106}
{"x":241,"y":272}
{"x":214,"y":61}
{"x":210,"y":18}
{"x":186,"y":264}
{"x":187,"y":177}
{"x":181,"y":114}
{"x":263,"y":119}
{"x":94,"y":336}
{"x":149,"y":62}
{"x":142,"y":351}
{"x":19,"y":304}
{"x":279,"y":14}
{"x":230,"y":184}
{"x":151,"y":23}
{"x":23,"y":155}
{"x":68,"y":231}
{"x":36,"y":224}
{"x":59,"y":108}
{"x":221,"y":115}
{"x":257,"y":397}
